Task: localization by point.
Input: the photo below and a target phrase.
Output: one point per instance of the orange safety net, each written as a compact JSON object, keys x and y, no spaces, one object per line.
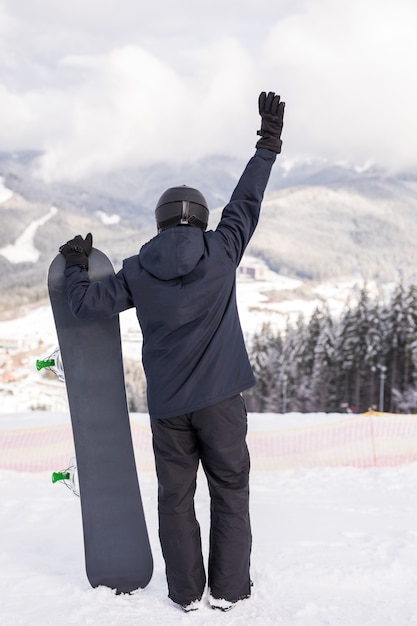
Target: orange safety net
{"x":366,"y":440}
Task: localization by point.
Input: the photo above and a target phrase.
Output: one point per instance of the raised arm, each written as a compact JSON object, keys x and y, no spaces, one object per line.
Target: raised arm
{"x":240,"y":216}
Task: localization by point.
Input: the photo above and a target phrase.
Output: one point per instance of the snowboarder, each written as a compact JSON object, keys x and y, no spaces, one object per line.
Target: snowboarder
{"x":182,"y":284}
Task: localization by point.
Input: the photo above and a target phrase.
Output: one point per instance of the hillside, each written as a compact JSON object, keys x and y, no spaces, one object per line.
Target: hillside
{"x":365,"y":227}
{"x":319,"y":221}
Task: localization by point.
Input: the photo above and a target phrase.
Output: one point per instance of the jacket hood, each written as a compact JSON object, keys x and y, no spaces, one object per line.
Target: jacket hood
{"x":173,"y":253}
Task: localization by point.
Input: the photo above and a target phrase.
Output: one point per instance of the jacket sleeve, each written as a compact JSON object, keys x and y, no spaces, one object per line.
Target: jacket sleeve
{"x":240,"y":216}
{"x":97,"y":299}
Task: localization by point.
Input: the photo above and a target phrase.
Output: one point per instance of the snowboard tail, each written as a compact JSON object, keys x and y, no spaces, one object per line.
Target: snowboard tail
{"x":116,"y":542}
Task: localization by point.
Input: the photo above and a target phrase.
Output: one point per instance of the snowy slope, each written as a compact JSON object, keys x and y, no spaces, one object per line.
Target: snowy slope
{"x":23,"y":249}
{"x":5,"y":192}
{"x":331,"y":547}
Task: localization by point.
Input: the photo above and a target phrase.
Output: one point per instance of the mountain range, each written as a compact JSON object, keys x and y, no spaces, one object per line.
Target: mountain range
{"x":320,"y":221}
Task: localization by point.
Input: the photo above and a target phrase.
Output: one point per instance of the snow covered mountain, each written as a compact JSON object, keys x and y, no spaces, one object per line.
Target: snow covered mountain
{"x":320,"y":221}
{"x":362,"y":227}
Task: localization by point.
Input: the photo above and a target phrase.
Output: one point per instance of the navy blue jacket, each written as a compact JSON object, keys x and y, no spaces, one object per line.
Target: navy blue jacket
{"x":183,"y":286}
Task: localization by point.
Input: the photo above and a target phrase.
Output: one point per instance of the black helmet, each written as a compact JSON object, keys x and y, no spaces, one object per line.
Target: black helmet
{"x":181,"y":205}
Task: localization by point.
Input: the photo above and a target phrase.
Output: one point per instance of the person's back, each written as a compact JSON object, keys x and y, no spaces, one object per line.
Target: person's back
{"x":183,"y":288}
{"x":182,"y":284}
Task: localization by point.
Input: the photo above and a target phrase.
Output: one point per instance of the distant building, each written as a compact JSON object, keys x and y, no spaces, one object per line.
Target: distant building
{"x":253,"y":268}
{"x":10,"y":343}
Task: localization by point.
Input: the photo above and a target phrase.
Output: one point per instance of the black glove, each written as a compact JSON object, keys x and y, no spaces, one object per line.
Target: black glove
{"x":272,"y":112}
{"x":76,"y":251}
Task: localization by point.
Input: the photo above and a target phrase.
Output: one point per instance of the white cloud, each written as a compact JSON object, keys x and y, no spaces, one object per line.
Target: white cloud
{"x":134,"y":108}
{"x":122,"y":84}
{"x":348,"y":78}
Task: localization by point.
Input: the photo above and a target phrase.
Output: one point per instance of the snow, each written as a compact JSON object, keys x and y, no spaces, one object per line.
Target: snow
{"x":331,"y":546}
{"x":34,"y":325}
{"x":107,"y":219}
{"x":5,"y":192}
{"x":23,"y":249}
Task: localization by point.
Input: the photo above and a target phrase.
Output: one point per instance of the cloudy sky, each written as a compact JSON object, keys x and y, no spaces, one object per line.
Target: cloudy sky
{"x":102,"y":84}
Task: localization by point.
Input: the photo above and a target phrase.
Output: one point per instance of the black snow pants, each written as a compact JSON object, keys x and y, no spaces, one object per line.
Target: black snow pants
{"x":216,"y":436}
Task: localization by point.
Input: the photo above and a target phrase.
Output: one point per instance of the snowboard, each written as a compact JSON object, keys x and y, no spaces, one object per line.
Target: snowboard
{"x":116,"y":543}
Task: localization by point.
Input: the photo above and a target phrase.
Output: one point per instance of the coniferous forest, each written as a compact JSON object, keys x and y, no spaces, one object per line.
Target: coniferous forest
{"x":365,"y":359}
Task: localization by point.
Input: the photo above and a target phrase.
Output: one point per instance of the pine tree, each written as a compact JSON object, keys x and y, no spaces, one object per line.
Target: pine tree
{"x":401,"y":349}
{"x":265,"y":353}
{"x":292,"y":382}
{"x":322,"y":376}
{"x":329,"y":365}
{"x":397,"y":353}
{"x":358,"y":347}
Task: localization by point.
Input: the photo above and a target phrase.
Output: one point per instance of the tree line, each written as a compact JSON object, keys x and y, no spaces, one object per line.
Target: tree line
{"x":367,"y":358}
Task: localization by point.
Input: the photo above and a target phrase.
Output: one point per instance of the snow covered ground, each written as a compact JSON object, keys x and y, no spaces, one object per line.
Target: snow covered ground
{"x":331,"y":547}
